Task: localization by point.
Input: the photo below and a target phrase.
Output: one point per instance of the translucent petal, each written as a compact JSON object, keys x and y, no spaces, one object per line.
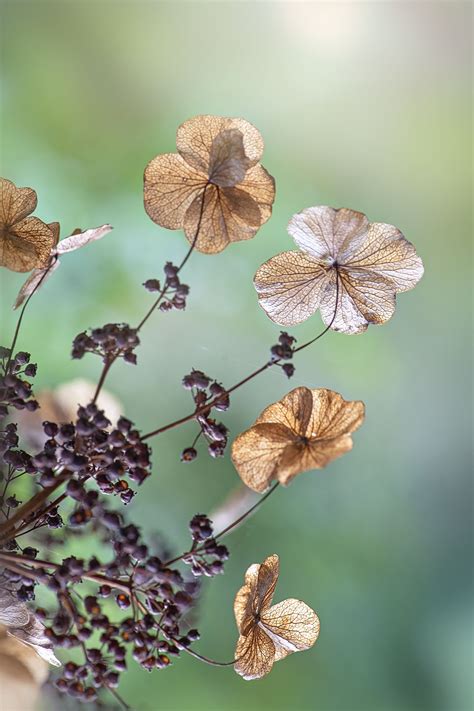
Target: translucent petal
{"x":254,"y":654}
{"x":229,"y":215}
{"x":194,"y":139}
{"x":15,"y":203}
{"x":290,"y":287}
{"x":170,"y":186}
{"x":27,"y":245}
{"x":323,"y":231}
{"x":292,"y":626}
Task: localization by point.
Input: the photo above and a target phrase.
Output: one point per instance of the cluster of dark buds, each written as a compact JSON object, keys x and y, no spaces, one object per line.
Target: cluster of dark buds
{"x":173,"y":292}
{"x":15,"y":390}
{"x":112,"y":341}
{"x":89,"y":449}
{"x":207,"y":394}
{"x":283,"y":350}
{"x":136,"y":608}
{"x":206,"y":556}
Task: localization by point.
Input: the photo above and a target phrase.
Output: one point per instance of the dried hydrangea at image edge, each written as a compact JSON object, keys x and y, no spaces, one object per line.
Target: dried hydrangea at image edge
{"x":214,"y":186}
{"x":25,"y":242}
{"x":305,"y":430}
{"x":269,"y":633}
{"x":364,"y":264}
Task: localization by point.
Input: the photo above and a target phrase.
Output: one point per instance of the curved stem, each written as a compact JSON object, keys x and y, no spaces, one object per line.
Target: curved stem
{"x":22,"y":313}
{"x":160,"y":296}
{"x":202,"y":658}
{"x":227,"y":528}
{"x":248,"y":512}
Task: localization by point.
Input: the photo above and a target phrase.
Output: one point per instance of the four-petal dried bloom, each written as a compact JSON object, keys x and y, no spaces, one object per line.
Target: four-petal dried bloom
{"x":269,"y":633}
{"x":214,"y":187}
{"x":364,"y":265}
{"x":25,"y":242}
{"x":305,"y":430}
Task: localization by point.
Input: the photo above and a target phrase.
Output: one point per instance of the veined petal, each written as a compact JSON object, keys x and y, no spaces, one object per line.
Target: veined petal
{"x":323,"y":231}
{"x":385,"y":252}
{"x":290,"y":287}
{"x":27,"y":245}
{"x":15,"y":203}
{"x":292,"y":626}
{"x":228,"y":215}
{"x":170,"y":186}
{"x":194,"y":139}
{"x":255,"y":654}
{"x":260,"y":185}
{"x":364,"y":297}
{"x":294,"y":411}
{"x":256,"y":454}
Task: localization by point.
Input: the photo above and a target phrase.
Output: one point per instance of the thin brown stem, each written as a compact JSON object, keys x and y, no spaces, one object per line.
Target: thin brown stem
{"x":254,"y":374}
{"x":22,"y":313}
{"x":227,"y":528}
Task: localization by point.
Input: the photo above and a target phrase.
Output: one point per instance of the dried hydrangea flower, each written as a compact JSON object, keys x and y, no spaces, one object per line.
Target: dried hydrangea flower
{"x":364,"y":264}
{"x":25,"y":242}
{"x":214,"y":182}
{"x":268,"y":634}
{"x":75,"y":241}
{"x":305,"y":430}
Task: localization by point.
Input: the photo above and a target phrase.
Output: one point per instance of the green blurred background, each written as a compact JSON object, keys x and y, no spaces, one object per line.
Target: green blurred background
{"x":363,"y":105}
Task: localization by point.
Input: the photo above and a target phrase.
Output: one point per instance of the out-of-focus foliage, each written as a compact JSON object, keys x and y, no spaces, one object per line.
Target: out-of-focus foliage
{"x":365,"y":105}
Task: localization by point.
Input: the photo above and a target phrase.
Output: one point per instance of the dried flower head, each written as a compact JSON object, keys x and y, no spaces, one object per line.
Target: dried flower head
{"x":268,"y":634}
{"x":25,"y":242}
{"x":214,"y":185}
{"x":364,"y":264}
{"x":305,"y":430}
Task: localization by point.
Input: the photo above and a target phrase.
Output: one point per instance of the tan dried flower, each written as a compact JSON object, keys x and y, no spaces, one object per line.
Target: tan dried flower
{"x":365,"y":264}
{"x":214,"y":182}
{"x":268,"y":634}
{"x":305,"y":430}
{"x":25,"y":242}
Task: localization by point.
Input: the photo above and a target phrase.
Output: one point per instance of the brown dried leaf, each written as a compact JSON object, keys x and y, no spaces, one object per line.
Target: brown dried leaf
{"x":214,"y":186}
{"x":305,"y":430}
{"x":366,"y":264}
{"x":268,"y":634}
{"x":25,"y":242}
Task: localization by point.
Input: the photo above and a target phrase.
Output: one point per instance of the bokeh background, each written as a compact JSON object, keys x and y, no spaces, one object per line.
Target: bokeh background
{"x":363,"y":105}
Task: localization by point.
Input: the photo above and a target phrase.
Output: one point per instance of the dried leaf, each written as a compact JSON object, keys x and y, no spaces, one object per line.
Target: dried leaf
{"x":305,"y":430}
{"x":214,"y":186}
{"x":36,"y":279}
{"x":365,"y":264}
{"x":21,"y":623}
{"x":25,"y":242}
{"x":79,"y":239}
{"x":268,"y":634}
